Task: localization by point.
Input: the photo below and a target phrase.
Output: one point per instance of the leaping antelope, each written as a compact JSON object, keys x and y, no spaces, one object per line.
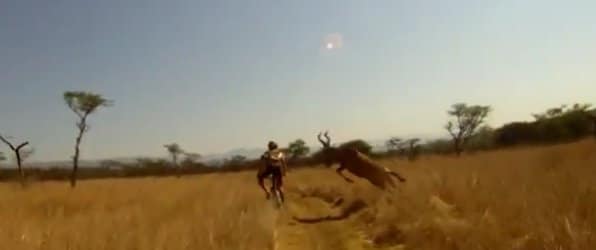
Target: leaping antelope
{"x":593,"y":118}
{"x":358,"y":164}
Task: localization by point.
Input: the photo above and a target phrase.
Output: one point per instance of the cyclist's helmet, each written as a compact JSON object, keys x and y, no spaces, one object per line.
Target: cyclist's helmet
{"x":272,"y":145}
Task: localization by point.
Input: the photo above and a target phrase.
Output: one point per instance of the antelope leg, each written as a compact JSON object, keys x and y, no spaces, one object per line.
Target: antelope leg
{"x":396,"y":175}
{"x":340,"y":172}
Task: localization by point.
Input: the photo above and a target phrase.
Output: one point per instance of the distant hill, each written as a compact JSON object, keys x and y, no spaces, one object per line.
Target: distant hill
{"x":250,"y":153}
{"x":60,"y":164}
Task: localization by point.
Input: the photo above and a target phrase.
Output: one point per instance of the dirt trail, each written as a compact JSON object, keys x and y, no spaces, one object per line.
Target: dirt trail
{"x":311,"y":223}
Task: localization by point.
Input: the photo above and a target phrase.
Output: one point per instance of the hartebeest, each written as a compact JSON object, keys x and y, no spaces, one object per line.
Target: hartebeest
{"x":593,"y":118}
{"x":358,"y":164}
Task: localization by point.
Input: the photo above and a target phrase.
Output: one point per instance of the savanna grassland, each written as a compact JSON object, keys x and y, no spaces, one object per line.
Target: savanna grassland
{"x":525,"y":198}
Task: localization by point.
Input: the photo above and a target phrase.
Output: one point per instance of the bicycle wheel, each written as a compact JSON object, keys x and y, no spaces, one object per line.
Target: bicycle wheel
{"x":277,"y":196}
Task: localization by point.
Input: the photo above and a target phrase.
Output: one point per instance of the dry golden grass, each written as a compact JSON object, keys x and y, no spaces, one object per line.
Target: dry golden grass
{"x":199,"y":212}
{"x":532,"y":198}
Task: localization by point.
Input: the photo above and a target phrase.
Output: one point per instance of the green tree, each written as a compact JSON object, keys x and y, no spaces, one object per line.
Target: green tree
{"x":466,"y":119}
{"x":19,"y":156}
{"x":298,"y":149}
{"x":564,"y":123}
{"x":82,"y":104}
{"x":562,"y":110}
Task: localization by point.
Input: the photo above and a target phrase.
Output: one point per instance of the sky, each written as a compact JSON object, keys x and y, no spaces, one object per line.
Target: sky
{"x":218,"y":75}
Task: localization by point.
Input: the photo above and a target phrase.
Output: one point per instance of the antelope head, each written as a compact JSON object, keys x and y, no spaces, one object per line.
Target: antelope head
{"x":328,"y":152}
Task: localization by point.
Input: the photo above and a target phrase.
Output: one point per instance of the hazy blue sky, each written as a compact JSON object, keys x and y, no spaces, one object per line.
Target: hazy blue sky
{"x":216,"y":75}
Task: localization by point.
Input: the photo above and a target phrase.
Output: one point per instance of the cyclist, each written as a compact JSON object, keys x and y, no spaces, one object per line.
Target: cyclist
{"x":275,"y":165}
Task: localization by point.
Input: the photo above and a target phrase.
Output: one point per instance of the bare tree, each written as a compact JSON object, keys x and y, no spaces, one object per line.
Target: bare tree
{"x":19,"y":156}
{"x":82,"y":104}
{"x":466,"y":120}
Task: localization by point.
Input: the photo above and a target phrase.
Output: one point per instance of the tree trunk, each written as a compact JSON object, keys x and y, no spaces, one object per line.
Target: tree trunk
{"x":457,"y":146}
{"x":75,"y":158}
{"x":21,"y":172}
{"x":177,"y":168}
{"x":17,"y":153}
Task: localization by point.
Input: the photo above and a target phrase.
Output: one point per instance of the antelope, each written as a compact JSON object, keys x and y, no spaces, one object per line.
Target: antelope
{"x":358,"y":164}
{"x":593,"y":118}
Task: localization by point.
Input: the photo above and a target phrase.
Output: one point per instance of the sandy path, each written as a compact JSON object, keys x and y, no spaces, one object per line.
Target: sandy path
{"x":307,"y":223}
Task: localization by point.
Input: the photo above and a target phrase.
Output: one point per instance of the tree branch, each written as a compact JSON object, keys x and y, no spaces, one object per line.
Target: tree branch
{"x":72,"y":107}
{"x":449,"y":128}
{"x":7,"y":143}
{"x":22,"y":145}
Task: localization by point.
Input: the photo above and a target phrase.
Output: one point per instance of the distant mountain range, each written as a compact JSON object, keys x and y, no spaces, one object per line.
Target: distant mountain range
{"x":250,"y":153}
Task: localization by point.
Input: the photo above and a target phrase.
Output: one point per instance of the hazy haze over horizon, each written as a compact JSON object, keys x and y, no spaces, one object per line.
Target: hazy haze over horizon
{"x":211,"y":75}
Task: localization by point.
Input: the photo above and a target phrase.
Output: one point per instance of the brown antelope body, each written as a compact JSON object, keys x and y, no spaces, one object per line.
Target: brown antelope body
{"x":593,"y":118}
{"x":358,"y":164}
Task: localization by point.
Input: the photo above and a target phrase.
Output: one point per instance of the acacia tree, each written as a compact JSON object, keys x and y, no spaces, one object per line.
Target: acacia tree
{"x":562,"y":110}
{"x":466,"y":119}
{"x":19,"y":156}
{"x":393,"y":144}
{"x":82,"y":104}
{"x":174,"y":150}
{"x":298,"y":149}
{"x":413,"y":149}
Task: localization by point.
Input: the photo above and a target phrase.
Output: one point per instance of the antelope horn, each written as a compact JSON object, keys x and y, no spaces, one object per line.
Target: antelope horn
{"x":321,"y":140}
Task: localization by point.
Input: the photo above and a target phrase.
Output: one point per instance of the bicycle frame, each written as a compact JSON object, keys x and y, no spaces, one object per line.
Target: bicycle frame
{"x":277,"y":193}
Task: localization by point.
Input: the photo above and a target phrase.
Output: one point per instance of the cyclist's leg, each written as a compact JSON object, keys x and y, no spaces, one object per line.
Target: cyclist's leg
{"x":279,"y":179}
{"x":261,"y":175}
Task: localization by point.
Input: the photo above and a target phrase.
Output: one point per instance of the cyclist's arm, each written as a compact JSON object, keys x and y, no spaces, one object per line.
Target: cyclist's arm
{"x":284,"y":166}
